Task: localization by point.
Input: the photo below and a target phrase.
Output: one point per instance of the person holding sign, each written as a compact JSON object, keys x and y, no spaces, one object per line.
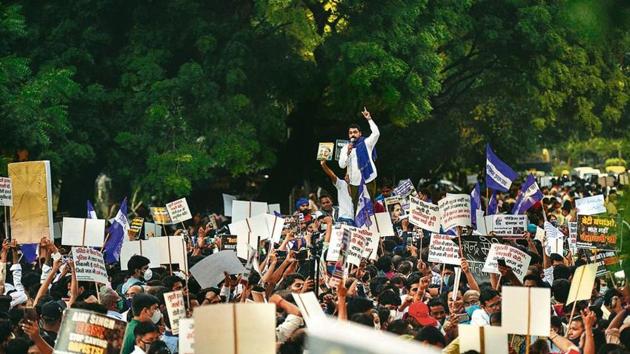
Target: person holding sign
{"x":358,"y":157}
{"x":346,"y":208}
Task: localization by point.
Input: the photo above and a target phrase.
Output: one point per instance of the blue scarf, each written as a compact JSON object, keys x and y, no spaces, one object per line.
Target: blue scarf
{"x":363,"y":158}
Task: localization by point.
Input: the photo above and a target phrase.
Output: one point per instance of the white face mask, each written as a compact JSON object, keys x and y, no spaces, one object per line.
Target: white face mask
{"x":148,"y":274}
{"x":603,"y":290}
{"x":157,"y":316}
{"x":392,"y":315}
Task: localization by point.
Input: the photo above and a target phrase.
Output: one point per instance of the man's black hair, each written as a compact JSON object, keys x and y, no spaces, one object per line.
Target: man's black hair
{"x":487,"y":295}
{"x":363,"y":318}
{"x":143,"y":328}
{"x":431,"y":335}
{"x":142,"y":301}
{"x":171,"y":280}
{"x":354,"y":126}
{"x":561,"y":271}
{"x":389,"y":297}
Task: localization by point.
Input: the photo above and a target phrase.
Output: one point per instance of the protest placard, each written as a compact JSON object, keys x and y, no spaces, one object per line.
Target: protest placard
{"x":6,"y":194}
{"x":525,"y":310}
{"x":590,"y":205}
{"x":274,"y":209}
{"x":228,"y":242}
{"x":597,"y":232}
{"x":171,"y":250}
{"x":249,"y":232}
{"x":405,"y":188}
{"x":325,"y":151}
{"x":582,"y":283}
{"x":186,"y":336}
{"x":506,"y":225}
{"x":141,"y":248}
{"x":394,"y":207}
{"x":454,"y":210}
{"x":175,"y":308}
{"x":372,"y":241}
{"x":514,"y":258}
{"x":89,"y":265}
{"x":355,"y":247}
{"x":178,"y":211}
{"x":442,"y":249}
{"x":382,"y":224}
{"x":242,"y":210}
{"x":209,"y":271}
{"x":476,"y":250}
{"x":603,"y":260}
{"x":160,"y":216}
{"x":83,"y":232}
{"x":84,"y":331}
{"x":152,"y":230}
{"x":309,"y":306}
{"x":424,"y":215}
{"x":339,"y":144}
{"x":572,"y":240}
{"x":227,"y":204}
{"x":339,"y":240}
{"x":327,"y":336}
{"x":247,"y":328}
{"x":32,"y":212}
{"x":274,"y":227}
{"x":135,"y":227}
{"x":493,"y":339}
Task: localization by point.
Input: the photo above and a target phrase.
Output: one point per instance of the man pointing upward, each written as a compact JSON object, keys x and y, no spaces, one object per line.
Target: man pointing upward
{"x":358,"y":157}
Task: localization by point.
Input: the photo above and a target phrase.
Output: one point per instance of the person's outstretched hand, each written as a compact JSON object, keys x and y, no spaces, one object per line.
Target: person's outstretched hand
{"x":366,"y":114}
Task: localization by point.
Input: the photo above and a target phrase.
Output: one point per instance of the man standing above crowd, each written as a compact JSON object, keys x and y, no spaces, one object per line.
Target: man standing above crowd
{"x":358,"y":158}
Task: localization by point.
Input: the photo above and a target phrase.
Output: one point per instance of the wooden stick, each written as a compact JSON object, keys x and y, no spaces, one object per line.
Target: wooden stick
{"x":459,"y":239}
{"x":170,"y":261}
{"x":529,"y":319}
{"x":574,"y":303}
{"x":442,"y":276}
{"x":98,"y":292}
{"x":6,"y":225}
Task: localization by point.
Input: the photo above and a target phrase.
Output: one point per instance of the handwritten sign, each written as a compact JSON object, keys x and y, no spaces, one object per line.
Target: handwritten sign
{"x":178,"y":211}
{"x":89,"y":265}
{"x":355,"y":248}
{"x":455,"y":210}
{"x":514,"y":258}
{"x":84,"y":331}
{"x":573,"y":230}
{"x":424,"y":215}
{"x":597,"y":232}
{"x":443,"y":249}
{"x":176,"y":309}
{"x":590,"y":205}
{"x":476,"y":250}
{"x":6,"y":195}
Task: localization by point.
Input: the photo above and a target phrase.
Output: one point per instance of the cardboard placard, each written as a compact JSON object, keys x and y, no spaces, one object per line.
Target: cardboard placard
{"x":309,"y":306}
{"x":394,"y":206}
{"x":597,"y":232}
{"x":228,"y":242}
{"x":506,"y":225}
{"x":424,"y":215}
{"x":6,"y":194}
{"x":84,"y":331}
{"x":274,"y":227}
{"x":152,"y":230}
{"x":382,"y":224}
{"x":89,"y":265}
{"x":247,"y":328}
{"x":242,"y":210}
{"x":186,"y":336}
{"x":582,"y":283}
{"x":135,"y":228}
{"x":372,"y":241}
{"x":356,"y":246}
{"x":604,"y":259}
{"x":175,"y":308}
{"x":178,"y":211}
{"x":339,"y":144}
{"x":209,"y":271}
{"x":590,"y":205}
{"x":405,"y":188}
{"x":177,"y":254}
{"x":514,"y":258}
{"x":476,"y":250}
{"x":325,"y":151}
{"x":83,"y":232}
{"x":442,"y":249}
{"x":227,"y":204}
{"x":160,"y":216}
{"x":273,"y":209}
{"x":454,"y":210}
{"x":339,"y":240}
{"x":249,"y":232}
{"x":493,"y":339}
{"x":525,"y":310}
{"x":32,"y":212}
{"x":142,"y":248}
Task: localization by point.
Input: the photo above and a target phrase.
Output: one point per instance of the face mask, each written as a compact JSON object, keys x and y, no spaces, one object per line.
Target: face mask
{"x":603,"y":290}
{"x":157,"y":316}
{"x":148,"y":274}
{"x":446,"y":279}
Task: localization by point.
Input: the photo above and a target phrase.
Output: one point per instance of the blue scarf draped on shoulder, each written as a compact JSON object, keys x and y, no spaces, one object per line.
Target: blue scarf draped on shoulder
{"x":363,"y":158}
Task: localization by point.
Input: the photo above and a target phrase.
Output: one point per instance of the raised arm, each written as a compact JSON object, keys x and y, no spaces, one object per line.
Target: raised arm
{"x":470,"y":277}
{"x":328,"y":171}
{"x":43,"y":289}
{"x":371,"y":140}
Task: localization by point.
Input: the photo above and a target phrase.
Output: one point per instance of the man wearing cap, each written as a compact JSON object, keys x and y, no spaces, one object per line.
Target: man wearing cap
{"x":51,"y":313}
{"x":302,"y":210}
{"x":419,"y":313}
{"x":139,"y":271}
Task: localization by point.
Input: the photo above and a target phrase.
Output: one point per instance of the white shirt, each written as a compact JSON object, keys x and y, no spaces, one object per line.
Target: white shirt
{"x":346,"y":208}
{"x":137,"y":350}
{"x":480,"y":318}
{"x":351,"y":161}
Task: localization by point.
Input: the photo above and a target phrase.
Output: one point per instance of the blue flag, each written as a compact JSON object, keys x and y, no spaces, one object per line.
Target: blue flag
{"x":363,"y":158}
{"x":29,"y":251}
{"x":475,"y":203}
{"x":499,"y":175}
{"x":493,"y":205}
{"x":365,"y":209}
{"x":117,"y":232}
{"x":529,"y":195}
{"x":91,"y":213}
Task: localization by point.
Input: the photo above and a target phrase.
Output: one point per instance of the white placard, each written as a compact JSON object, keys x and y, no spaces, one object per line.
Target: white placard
{"x":152,"y":229}
{"x":273,"y":208}
{"x":336,"y":242}
{"x":209,"y":271}
{"x":57,"y":227}
{"x":424,"y":215}
{"x":242,"y":210}
{"x":372,"y":241}
{"x":382,"y":224}
{"x":495,"y":339}
{"x":176,"y":309}
{"x":274,"y":227}
{"x":356,"y":246}
{"x":582,"y":283}
{"x":525,"y":310}
{"x":454,"y":210}
{"x":227,"y":204}
{"x":590,"y":205}
{"x":248,"y":232}
{"x":6,"y":193}
{"x":143,"y":248}
{"x":443,"y":249}
{"x":481,"y":222}
{"x":572,"y":241}
{"x":178,"y":211}
{"x":507,"y":224}
{"x":186,"y":336}
{"x":514,"y":258}
{"x":89,"y":265}
{"x":83,"y":232}
{"x":309,"y":306}
{"x":177,"y":254}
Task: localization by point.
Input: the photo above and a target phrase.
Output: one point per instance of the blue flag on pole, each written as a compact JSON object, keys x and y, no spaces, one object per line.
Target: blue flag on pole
{"x":29,"y":251}
{"x":91,"y":213}
{"x":493,"y":205}
{"x":529,"y":195}
{"x":365,"y":209}
{"x":499,"y":175}
{"x":475,"y":203}
{"x":117,"y":232}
